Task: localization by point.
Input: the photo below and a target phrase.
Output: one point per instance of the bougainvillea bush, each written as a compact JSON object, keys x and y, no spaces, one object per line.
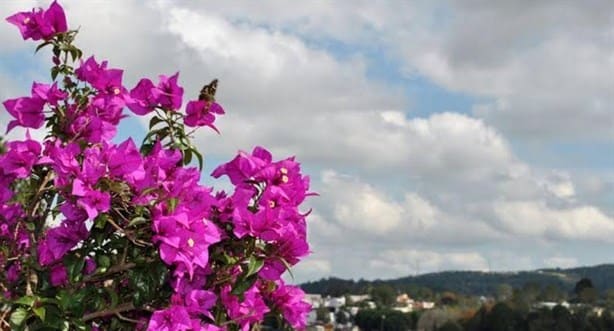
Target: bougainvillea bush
{"x":99,"y":235}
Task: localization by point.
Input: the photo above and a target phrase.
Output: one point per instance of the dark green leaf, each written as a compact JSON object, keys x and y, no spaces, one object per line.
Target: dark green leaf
{"x":54,"y":72}
{"x":187,"y":156}
{"x":41,"y":46}
{"x":244,"y":285}
{"x":73,"y":54}
{"x":254,"y":266}
{"x":103,"y":261}
{"x":199,"y":156}
{"x":154,"y":120}
{"x":74,"y":265}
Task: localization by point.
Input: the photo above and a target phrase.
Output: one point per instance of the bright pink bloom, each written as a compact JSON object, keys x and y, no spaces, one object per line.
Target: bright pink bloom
{"x":125,"y":160}
{"x":250,"y":310}
{"x":243,"y":167}
{"x":174,"y":318}
{"x":13,"y":273}
{"x":64,"y":161}
{"x":90,"y":70}
{"x":200,"y":301}
{"x":56,"y":17}
{"x":28,"y":112}
{"x":141,"y":100}
{"x":20,"y":158}
{"x":39,"y":24}
{"x":59,"y":240}
{"x":202,"y":113}
{"x":183,"y":241}
{"x":290,"y":300}
{"x":92,"y":201}
{"x":167,"y":93}
{"x":49,"y":93}
{"x":59,"y":275}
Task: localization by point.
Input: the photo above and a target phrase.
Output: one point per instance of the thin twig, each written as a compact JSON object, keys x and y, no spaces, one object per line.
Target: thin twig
{"x":106,"y":312}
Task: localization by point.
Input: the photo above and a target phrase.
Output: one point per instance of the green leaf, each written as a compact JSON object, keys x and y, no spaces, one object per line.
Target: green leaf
{"x":103,"y":261}
{"x":30,"y":226}
{"x":27,"y":300}
{"x":137,"y":221}
{"x":53,"y":317}
{"x":100,"y":221}
{"x":254,"y":266}
{"x":160,"y":133}
{"x":154,"y":120}
{"x":74,"y":54}
{"x":172,"y":204}
{"x":18,"y":317}
{"x":244,"y":285}
{"x":41,"y":46}
{"x":113,"y":296}
{"x":74,"y":265}
{"x":187,"y":156}
{"x":56,"y":50}
{"x":40,"y":312}
{"x":54,"y":72}
{"x":199,"y":156}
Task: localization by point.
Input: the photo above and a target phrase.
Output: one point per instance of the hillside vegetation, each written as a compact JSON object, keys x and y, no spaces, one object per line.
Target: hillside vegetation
{"x":472,"y":282}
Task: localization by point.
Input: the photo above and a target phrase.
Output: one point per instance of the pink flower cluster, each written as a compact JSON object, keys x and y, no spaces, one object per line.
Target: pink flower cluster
{"x":92,"y":175}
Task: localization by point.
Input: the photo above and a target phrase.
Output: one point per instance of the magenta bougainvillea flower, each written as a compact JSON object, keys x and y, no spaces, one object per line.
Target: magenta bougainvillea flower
{"x":60,"y":240}
{"x":13,"y":272}
{"x":21,"y":157}
{"x":290,"y":300}
{"x":27,"y":111}
{"x":90,"y":266}
{"x":49,"y":93}
{"x":141,"y":101}
{"x":91,"y":200}
{"x":202,"y":113}
{"x":174,"y":318}
{"x":167,"y":93}
{"x":38,"y":24}
{"x":249,"y":310}
{"x":91,"y":71}
{"x":59,"y":275}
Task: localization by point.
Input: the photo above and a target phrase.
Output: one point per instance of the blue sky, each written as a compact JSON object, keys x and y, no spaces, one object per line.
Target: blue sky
{"x":468,"y":135}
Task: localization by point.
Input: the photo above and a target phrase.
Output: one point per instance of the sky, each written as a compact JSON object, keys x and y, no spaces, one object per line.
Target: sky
{"x":460,"y":135}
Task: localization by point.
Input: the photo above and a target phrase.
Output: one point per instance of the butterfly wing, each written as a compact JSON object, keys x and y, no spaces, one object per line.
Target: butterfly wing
{"x":207,"y":93}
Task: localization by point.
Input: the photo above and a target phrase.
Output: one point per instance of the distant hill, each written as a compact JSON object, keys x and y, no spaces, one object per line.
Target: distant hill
{"x":474,"y":282}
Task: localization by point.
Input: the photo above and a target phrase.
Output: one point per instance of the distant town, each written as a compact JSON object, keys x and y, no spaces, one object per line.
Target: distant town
{"x":400,"y":306}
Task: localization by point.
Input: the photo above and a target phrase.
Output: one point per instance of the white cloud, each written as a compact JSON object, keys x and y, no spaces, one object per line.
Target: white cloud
{"x":537,"y":219}
{"x":359,"y":206}
{"x":545,"y":79}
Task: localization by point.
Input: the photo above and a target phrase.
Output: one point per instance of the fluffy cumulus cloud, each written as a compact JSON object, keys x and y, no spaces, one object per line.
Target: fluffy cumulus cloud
{"x":400,"y":193}
{"x":535,"y":218}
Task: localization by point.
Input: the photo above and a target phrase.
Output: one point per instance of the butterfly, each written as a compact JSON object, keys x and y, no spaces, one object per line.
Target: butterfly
{"x":207,"y":93}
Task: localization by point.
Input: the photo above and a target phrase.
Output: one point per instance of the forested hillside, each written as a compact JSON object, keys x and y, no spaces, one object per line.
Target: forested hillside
{"x":473,"y":282}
